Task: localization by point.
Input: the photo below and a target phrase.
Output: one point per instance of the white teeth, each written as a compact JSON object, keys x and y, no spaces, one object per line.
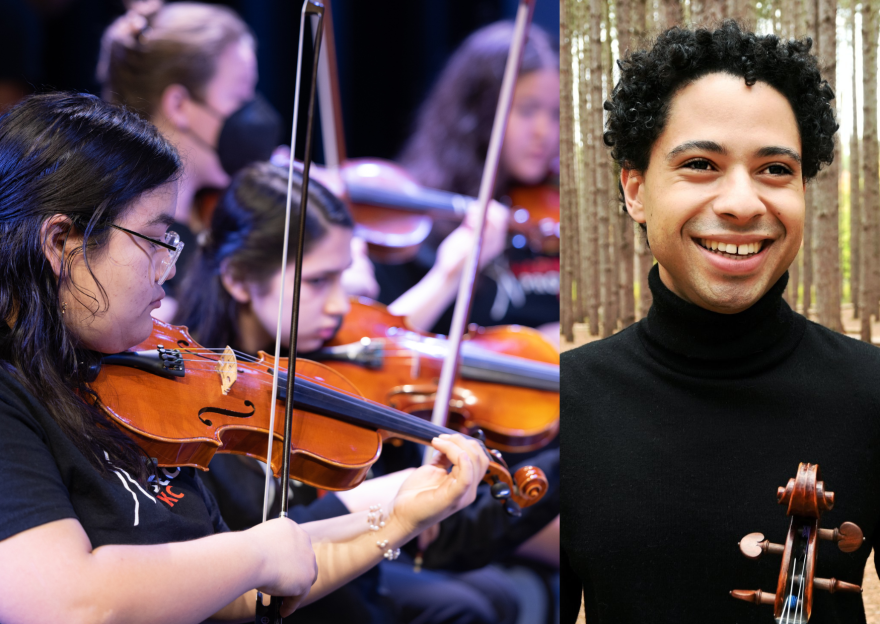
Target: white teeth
{"x":739,"y":250}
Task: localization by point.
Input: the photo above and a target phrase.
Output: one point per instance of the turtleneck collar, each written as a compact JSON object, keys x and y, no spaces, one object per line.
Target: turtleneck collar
{"x":698,"y":342}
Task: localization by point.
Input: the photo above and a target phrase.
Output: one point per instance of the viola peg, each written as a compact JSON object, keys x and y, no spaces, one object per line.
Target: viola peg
{"x":849,"y":536}
{"x":512,"y":508}
{"x":500,"y":490}
{"x":754,"y":545}
{"x":479,"y":435}
{"x":755,"y":596}
{"x":832,"y":585}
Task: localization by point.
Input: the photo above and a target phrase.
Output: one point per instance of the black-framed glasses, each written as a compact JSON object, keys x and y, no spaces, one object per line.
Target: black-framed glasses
{"x":171,"y":243}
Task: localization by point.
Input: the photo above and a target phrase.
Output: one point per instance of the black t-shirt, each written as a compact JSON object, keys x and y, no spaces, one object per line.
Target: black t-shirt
{"x":46,"y":478}
{"x":519,"y":287}
{"x":677,"y":432}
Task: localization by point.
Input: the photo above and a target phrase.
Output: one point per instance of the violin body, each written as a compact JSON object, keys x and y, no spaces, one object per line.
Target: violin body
{"x":183,"y":403}
{"x":403,"y":367}
{"x":806,"y":499}
{"x":183,"y":421}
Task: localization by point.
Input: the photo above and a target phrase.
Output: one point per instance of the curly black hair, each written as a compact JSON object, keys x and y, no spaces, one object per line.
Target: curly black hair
{"x":639,"y":104}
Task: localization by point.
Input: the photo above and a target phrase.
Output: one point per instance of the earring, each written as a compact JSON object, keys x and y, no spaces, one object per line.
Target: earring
{"x":63,"y":308}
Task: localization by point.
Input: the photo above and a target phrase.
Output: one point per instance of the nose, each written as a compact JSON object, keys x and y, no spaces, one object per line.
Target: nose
{"x":738,"y":197}
{"x":337,"y":303}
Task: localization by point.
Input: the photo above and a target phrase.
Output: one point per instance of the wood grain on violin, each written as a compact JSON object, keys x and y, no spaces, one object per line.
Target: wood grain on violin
{"x":509,"y":383}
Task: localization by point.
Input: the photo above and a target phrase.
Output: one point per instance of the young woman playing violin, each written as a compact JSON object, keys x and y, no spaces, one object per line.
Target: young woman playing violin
{"x":89,"y":528}
{"x":232,"y":298}
{"x":447,"y":151}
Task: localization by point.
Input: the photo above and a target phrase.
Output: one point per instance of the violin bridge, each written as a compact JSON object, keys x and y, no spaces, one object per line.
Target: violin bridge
{"x":227,"y":366}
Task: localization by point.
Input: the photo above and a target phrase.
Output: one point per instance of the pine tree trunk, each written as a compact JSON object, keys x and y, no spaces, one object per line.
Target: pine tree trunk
{"x":643,"y":252}
{"x":567,"y":189}
{"x":870,"y":169}
{"x":855,"y":206}
{"x":627,"y":244}
{"x":671,"y":13}
{"x":826,"y":240}
{"x":598,"y":173}
{"x":810,"y":8}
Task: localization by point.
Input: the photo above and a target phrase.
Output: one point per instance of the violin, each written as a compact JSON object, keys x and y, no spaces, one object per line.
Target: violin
{"x":509,"y":378}
{"x":806,"y":499}
{"x":394,"y":214}
{"x":221,"y":402}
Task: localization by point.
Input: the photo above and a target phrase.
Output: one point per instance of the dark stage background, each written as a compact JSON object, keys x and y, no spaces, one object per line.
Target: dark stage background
{"x":389,"y":53}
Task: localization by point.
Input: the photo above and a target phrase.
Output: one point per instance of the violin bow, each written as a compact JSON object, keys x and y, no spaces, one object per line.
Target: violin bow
{"x":271,"y":614}
{"x":329,"y":100}
{"x":460,"y":315}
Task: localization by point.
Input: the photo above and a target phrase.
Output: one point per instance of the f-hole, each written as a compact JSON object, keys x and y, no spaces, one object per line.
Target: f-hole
{"x":226,"y":412}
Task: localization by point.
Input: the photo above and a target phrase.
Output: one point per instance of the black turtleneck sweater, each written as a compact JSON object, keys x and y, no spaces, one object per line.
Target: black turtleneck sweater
{"x":676,"y":433}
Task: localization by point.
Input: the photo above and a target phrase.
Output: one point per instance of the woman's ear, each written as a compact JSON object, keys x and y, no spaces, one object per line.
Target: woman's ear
{"x":633,"y":183}
{"x":173,"y":106}
{"x":57,"y":242}
{"x":236,"y":288}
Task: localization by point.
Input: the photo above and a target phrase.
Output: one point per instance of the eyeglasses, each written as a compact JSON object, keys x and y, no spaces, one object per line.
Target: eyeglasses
{"x":171,"y":244}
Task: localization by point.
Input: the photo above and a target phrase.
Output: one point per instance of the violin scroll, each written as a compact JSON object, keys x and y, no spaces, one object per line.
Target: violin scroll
{"x":806,"y":499}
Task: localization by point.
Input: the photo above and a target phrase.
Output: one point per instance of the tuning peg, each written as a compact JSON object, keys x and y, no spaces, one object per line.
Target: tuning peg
{"x":479,"y":435}
{"x":849,"y":536}
{"x":755,"y":596}
{"x":500,"y":490}
{"x":754,"y":545}
{"x":512,"y":508}
{"x":833,"y":585}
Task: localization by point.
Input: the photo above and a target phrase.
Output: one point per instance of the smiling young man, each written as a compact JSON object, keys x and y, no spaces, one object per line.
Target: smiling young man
{"x":679,"y":429}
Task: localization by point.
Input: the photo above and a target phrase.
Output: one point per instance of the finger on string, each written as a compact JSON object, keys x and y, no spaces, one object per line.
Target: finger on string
{"x":462,"y":466}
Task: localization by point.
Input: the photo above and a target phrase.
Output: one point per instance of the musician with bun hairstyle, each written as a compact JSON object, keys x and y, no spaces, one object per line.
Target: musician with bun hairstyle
{"x":90,"y":529}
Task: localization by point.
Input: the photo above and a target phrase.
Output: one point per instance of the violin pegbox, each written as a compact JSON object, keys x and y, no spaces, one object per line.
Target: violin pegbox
{"x":806,"y":499}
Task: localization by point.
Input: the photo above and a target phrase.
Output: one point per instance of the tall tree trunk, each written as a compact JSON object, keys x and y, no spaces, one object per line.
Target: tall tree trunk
{"x":810,"y":22}
{"x":643,"y":252}
{"x":627,"y":245}
{"x":708,"y":13}
{"x":826,"y":242}
{"x":870,"y":168}
{"x":614,"y":244}
{"x":807,"y":249}
{"x":599,"y":173}
{"x":855,"y":206}
{"x":671,"y":13}
{"x":567,"y":187}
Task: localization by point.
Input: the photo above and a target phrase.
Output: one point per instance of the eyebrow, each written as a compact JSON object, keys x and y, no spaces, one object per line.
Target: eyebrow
{"x":162,"y":219}
{"x":712,"y":146}
{"x":703,"y":146}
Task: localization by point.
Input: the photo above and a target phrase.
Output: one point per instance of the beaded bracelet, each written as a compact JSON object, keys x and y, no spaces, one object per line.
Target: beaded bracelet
{"x":376,"y":520}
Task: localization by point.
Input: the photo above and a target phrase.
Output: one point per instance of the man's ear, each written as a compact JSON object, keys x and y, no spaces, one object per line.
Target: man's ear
{"x":633,"y":182}
{"x":236,"y":288}
{"x":173,"y":105}
{"x":57,"y":241}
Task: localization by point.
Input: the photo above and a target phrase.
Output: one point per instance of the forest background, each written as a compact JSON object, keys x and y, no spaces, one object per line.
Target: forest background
{"x":605,"y":262}
{"x":604,"y":259}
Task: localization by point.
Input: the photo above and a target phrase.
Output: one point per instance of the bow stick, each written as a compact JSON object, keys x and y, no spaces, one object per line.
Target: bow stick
{"x":272,"y":613}
{"x":487,"y":184}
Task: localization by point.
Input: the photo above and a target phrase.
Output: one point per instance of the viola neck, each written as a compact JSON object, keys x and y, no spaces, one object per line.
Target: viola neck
{"x":483,"y":365}
{"x":439,"y":204}
{"x":319,"y":399}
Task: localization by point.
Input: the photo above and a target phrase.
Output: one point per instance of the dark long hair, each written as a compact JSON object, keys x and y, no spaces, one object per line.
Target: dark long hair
{"x":247,"y":236}
{"x":76,"y":156}
{"x":451,"y":139}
